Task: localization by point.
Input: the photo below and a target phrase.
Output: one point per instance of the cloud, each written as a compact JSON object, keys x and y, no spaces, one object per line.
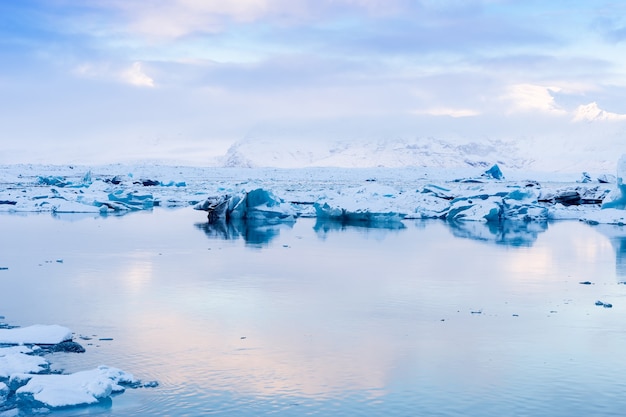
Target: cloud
{"x":133,"y":75}
{"x":447,"y":111}
{"x":591,"y":112}
{"x":530,"y":97}
{"x":179,"y":18}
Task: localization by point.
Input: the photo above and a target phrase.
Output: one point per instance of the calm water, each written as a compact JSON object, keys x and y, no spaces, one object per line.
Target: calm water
{"x":329,"y":319}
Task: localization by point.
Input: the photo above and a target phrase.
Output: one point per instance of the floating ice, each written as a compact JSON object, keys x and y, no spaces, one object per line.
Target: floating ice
{"x":26,"y":381}
{"x":617,"y":197}
{"x":80,"y":388}
{"x":20,"y":359}
{"x":475,"y":208}
{"x":522,"y":204}
{"x":131,"y":200}
{"x":365,"y":217}
{"x":494,"y":172}
{"x":38,"y":334}
{"x":256,"y":205}
{"x":369,"y":204}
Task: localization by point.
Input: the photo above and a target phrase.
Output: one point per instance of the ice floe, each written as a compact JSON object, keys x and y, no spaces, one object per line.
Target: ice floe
{"x":26,"y":381}
{"x":38,"y":334}
{"x":79,"y":388}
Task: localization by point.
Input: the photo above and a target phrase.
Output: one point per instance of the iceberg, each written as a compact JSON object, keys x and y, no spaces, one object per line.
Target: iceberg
{"x":616,"y":199}
{"x":370,"y":204}
{"x":131,"y":200}
{"x":475,"y":208}
{"x":520,"y":205}
{"x":256,"y":205}
{"x":362,"y":217}
{"x":494,"y":173}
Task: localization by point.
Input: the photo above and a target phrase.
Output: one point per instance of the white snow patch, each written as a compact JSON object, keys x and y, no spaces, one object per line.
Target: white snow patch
{"x":19,"y":359}
{"x":80,"y":388}
{"x":38,"y":334}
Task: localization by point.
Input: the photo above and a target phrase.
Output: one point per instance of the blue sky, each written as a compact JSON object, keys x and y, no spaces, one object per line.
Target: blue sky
{"x":105,"y":81}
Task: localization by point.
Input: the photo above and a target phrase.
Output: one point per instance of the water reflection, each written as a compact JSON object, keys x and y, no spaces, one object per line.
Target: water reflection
{"x":324,"y":226}
{"x":617,"y":237}
{"x":510,"y":233}
{"x":346,"y":325}
{"x":253,"y":232}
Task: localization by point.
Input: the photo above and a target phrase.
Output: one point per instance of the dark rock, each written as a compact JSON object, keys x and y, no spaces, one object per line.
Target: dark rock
{"x":585,"y":282}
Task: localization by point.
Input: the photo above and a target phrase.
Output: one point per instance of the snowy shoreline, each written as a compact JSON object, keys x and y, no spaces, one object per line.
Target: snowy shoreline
{"x":368,"y":194}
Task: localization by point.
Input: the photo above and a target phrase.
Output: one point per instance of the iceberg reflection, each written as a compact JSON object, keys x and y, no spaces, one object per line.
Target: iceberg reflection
{"x":253,"y":232}
{"x":324,"y":226}
{"x":507,"y":232}
{"x":617,"y":236}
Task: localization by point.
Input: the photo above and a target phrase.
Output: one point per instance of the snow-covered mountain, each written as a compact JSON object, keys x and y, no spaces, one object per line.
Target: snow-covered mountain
{"x":421,"y":152}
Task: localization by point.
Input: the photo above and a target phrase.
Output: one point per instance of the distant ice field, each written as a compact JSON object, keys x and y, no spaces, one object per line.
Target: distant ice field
{"x":473,"y":194}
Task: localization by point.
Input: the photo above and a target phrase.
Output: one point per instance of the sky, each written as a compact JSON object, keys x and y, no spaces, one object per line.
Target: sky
{"x":104,"y":81}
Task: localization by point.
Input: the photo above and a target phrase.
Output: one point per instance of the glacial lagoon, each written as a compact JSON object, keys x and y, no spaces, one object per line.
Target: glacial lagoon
{"x":321,"y":318}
